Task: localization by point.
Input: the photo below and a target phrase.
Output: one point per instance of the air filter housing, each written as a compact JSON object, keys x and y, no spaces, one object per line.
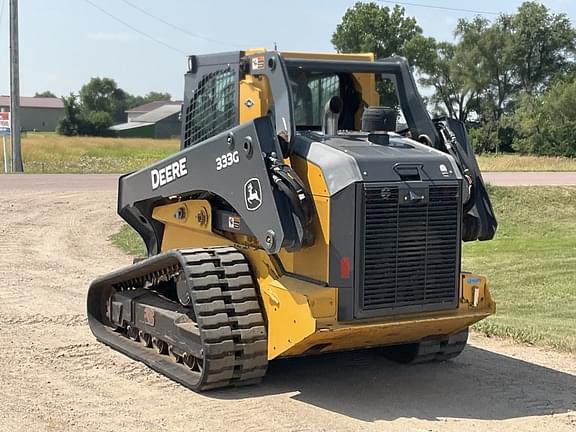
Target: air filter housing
{"x":379,"y":118}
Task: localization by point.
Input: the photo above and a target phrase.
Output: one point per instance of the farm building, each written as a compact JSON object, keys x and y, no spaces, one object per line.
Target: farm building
{"x":161,"y":122}
{"x":37,"y":113}
{"x":135,"y":112}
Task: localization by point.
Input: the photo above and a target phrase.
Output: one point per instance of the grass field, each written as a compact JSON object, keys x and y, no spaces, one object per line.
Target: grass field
{"x":531,"y":265}
{"x":51,"y":153}
{"x":511,"y":162}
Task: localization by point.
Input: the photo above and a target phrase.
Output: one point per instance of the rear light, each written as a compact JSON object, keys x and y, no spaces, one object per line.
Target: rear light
{"x":345,"y":268}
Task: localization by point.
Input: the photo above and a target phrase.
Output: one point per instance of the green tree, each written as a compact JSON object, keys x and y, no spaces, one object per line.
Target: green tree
{"x":485,"y":56}
{"x":500,"y":61}
{"x":69,"y":125}
{"x":546,"y":124}
{"x":97,"y":123}
{"x":454,"y":95}
{"x":103,"y":94}
{"x":543,"y":45}
{"x":369,"y":27}
{"x":99,"y":105}
{"x":152,"y":96}
{"x":45,"y":94}
{"x":78,"y":121}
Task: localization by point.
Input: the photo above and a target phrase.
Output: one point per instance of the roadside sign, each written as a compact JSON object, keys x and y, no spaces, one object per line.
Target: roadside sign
{"x":4,"y":123}
{"x":4,"y":132}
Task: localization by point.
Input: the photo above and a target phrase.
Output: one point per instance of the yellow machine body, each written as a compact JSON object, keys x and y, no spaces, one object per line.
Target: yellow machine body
{"x":306,"y":212}
{"x":302,"y":316}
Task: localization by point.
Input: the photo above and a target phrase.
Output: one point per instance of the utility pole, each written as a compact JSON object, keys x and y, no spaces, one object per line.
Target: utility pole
{"x":17,"y":165}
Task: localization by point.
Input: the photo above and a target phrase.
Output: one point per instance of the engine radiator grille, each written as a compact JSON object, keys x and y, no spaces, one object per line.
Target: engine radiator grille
{"x":410,"y":247}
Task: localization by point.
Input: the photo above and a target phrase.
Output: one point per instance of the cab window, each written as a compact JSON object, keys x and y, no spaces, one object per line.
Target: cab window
{"x":311,"y":91}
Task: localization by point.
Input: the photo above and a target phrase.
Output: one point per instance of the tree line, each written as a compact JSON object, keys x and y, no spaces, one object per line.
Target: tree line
{"x":512,"y":80}
{"x":99,"y":105}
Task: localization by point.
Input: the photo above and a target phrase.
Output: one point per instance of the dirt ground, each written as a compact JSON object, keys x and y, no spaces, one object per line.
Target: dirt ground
{"x":54,"y":376}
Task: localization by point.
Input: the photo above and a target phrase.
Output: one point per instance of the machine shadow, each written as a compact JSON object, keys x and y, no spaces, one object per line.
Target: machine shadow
{"x":477,"y":385}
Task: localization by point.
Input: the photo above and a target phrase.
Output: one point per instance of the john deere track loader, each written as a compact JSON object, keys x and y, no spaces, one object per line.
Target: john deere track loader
{"x":301,"y":216}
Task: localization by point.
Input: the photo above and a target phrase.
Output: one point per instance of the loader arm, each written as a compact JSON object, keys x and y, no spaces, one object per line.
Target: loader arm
{"x":239,"y":167}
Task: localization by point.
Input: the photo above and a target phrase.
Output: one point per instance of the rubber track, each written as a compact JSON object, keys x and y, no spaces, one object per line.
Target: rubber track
{"x":225,"y":306}
{"x":441,"y":350}
{"x":228,"y":315}
{"x":426,"y":351}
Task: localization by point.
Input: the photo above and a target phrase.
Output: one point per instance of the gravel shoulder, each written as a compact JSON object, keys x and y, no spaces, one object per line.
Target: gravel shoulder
{"x":56,"y":377}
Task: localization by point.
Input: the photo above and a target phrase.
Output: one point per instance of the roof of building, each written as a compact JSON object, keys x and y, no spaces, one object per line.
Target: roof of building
{"x":34,"y":102}
{"x":158,"y":114}
{"x":129,"y":125}
{"x":152,"y":106}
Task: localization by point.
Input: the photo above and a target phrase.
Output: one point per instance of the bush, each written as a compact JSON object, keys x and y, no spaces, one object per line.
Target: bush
{"x":77,"y":121}
{"x":67,"y":127}
{"x":96,"y":123}
{"x":495,"y":137}
{"x":546,"y":125}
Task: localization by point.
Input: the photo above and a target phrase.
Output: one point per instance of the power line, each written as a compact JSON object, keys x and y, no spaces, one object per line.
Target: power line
{"x":115,"y":18}
{"x":174,"y":26}
{"x":440,"y":7}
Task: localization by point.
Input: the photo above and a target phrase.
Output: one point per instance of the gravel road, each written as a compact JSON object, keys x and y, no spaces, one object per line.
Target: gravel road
{"x":54,"y":376}
{"x":109,"y":182}
{"x":530,"y":178}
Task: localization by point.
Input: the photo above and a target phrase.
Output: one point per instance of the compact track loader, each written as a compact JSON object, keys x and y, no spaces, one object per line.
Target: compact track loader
{"x":299,"y":217}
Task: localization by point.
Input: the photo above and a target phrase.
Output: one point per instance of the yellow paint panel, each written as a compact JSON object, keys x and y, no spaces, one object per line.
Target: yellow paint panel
{"x":303,"y":315}
{"x":251,"y":51}
{"x":255,"y":98}
{"x":192,"y":214}
{"x":329,"y":56}
{"x":289,"y":319}
{"x":176,"y":237}
{"x":367,"y":82}
{"x":400,"y":331}
{"x":188,"y":224}
{"x":292,"y":307}
{"x":474,"y":290}
{"x":311,"y":175}
{"x":403,"y":328}
{"x":313,"y":261}
{"x":321,"y":300}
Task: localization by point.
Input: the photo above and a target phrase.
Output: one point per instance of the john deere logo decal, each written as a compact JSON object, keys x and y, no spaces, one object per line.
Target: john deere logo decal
{"x":253,"y":194}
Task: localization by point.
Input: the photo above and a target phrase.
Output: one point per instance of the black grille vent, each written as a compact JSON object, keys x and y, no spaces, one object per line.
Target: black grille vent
{"x":212,"y":107}
{"x":411,"y":252}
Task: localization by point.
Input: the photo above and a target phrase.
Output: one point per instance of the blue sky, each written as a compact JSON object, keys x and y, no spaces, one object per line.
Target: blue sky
{"x":63,"y":43}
